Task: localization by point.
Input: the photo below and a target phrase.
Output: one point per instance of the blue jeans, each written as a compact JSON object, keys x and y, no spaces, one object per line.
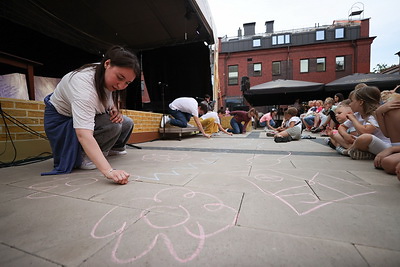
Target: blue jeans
{"x":264,"y":123}
{"x":309,"y":120}
{"x":237,"y":127}
{"x":180,"y":118}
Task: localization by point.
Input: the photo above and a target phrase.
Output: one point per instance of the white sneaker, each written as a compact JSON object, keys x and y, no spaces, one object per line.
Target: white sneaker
{"x":87,"y":164}
{"x":190,"y":125}
{"x":117,"y":152}
{"x":164,"y":120}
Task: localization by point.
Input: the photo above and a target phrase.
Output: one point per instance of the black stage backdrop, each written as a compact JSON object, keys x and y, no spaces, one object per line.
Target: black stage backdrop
{"x":176,"y":71}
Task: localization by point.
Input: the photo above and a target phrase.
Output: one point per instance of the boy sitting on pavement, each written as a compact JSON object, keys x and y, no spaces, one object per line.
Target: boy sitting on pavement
{"x":291,"y":130}
{"x":335,"y":140}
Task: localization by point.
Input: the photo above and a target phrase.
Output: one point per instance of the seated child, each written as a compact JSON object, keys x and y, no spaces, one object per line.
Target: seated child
{"x":336,"y":140}
{"x":388,"y":116}
{"x":323,"y":119}
{"x":371,"y":140}
{"x":291,"y":130}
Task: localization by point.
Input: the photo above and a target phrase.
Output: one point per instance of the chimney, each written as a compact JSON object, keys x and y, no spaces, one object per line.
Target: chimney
{"x":239,"y":32}
{"x":269,"y":25}
{"x":249,"y":28}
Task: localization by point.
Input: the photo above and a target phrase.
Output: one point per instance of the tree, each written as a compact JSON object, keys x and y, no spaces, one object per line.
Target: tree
{"x":381,"y":67}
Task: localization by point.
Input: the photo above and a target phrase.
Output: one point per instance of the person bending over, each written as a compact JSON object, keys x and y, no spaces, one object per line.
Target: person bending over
{"x":83,"y":114}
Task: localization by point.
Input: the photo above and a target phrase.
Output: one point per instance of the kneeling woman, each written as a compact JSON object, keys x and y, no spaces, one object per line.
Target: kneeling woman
{"x":82,"y":113}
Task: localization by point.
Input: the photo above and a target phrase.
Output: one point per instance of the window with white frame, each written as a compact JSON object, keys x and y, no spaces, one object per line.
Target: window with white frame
{"x":340,"y":63}
{"x":304,"y":65}
{"x":320,"y":35}
{"x":233,"y":75}
{"x":321,"y":65}
{"x":276,"y":68}
{"x":281,"y":39}
{"x":257,"y":69}
{"x":257,"y":42}
{"x":339,"y":33}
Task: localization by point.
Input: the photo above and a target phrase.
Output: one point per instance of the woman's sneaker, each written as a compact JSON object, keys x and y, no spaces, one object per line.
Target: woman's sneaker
{"x":358,"y":154}
{"x":117,"y":152}
{"x":87,"y":164}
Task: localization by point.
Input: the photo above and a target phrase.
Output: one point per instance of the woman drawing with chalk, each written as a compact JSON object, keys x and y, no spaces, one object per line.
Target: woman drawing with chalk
{"x":82,"y":119}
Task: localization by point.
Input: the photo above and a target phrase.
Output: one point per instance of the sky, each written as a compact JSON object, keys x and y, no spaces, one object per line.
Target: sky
{"x":229,"y":15}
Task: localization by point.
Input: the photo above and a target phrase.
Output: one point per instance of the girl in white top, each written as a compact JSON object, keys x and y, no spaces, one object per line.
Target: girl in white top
{"x":364,"y":102}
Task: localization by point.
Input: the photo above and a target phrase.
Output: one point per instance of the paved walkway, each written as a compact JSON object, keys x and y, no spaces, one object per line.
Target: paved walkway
{"x":226,"y":201}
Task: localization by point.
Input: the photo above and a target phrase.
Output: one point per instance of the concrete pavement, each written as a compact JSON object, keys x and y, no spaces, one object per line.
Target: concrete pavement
{"x":227,"y":201}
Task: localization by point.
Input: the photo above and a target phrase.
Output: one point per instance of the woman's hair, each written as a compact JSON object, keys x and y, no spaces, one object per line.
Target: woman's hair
{"x":371,"y":96}
{"x":340,"y":96}
{"x":119,"y":57}
{"x":254,"y":111}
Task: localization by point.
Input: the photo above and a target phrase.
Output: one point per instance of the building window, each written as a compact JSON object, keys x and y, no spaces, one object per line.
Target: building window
{"x":276,"y":68}
{"x":303,"y":65}
{"x":340,"y":63}
{"x":339,"y":33}
{"x":257,"y":69}
{"x":321,"y":66}
{"x":281,"y":39}
{"x":233,"y":75}
{"x":257,"y":42}
{"x":320,"y":35}
{"x":287,"y":38}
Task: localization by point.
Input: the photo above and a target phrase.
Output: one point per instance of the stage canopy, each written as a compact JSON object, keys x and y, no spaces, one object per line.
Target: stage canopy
{"x":347,"y":83}
{"x":96,"y":25}
{"x":168,"y":36}
{"x":283,"y":92}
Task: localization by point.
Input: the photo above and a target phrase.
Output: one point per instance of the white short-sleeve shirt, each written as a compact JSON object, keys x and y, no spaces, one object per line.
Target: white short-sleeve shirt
{"x":185,"y":104}
{"x":368,"y":121}
{"x":211,"y":114}
{"x":75,"y":96}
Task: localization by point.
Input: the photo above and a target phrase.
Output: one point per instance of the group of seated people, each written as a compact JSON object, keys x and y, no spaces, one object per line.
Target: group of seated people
{"x":369,"y":127}
{"x":364,"y":126}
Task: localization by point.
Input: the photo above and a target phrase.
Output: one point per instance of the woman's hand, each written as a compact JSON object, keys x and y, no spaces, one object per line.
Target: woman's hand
{"x":118,"y":176}
{"x":115,"y":115}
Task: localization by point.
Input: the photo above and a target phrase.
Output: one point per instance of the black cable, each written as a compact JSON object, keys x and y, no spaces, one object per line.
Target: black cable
{"x":8,"y":135}
{"x":25,"y":161}
{"x":22,"y":125}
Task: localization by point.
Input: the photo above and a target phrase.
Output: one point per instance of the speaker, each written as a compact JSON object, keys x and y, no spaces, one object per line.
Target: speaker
{"x":245,"y":84}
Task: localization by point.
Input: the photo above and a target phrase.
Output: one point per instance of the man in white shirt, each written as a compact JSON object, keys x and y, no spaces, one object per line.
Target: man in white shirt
{"x":182,"y":109}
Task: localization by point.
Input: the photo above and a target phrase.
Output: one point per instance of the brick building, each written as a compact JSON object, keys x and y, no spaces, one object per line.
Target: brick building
{"x":318,"y":54}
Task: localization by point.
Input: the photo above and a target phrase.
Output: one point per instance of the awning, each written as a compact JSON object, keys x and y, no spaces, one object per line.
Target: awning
{"x":282,"y":92}
{"x":347,"y":83}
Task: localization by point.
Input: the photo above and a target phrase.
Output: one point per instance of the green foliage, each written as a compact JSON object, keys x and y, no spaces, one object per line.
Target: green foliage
{"x":380,"y":67}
